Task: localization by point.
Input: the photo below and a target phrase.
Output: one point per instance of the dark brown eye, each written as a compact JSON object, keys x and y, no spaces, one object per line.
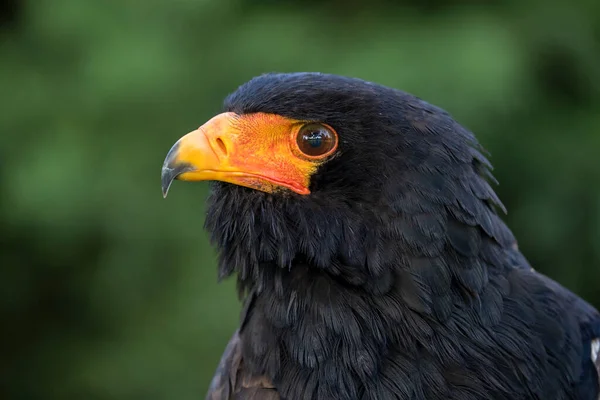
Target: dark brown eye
{"x":316,"y":140}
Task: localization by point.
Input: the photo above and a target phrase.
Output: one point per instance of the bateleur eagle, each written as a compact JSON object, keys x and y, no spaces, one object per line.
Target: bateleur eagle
{"x":370,"y":256}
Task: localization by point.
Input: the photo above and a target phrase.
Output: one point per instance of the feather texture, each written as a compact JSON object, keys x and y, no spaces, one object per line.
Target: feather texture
{"x":396,"y":278}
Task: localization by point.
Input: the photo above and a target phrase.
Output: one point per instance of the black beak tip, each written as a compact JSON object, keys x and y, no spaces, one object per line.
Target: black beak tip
{"x":172,"y":168}
{"x":167,"y":177}
{"x":170,"y":173}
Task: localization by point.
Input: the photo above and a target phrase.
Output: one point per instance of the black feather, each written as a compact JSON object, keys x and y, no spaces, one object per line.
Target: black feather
{"x":395,"y":278}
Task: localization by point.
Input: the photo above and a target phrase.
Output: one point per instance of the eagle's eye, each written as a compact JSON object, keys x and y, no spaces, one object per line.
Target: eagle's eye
{"x":316,"y":140}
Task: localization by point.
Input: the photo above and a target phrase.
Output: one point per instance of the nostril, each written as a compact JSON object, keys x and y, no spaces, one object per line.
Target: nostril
{"x":221,"y":145}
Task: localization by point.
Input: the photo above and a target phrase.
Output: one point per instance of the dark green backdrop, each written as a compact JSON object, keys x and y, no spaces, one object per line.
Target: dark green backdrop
{"x":107,"y":291}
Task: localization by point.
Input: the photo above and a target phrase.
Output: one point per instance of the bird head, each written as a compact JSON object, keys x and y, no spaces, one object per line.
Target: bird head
{"x":331,"y":171}
{"x":290,"y":134}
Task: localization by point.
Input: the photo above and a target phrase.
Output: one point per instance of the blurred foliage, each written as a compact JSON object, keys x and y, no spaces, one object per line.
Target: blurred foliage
{"x":107,"y":291}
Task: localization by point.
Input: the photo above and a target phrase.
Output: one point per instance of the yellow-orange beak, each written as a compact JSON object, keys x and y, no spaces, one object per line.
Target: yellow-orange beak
{"x":191,"y":158}
{"x":258,"y":151}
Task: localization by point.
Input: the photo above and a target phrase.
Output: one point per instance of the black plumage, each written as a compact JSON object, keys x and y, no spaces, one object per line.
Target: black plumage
{"x":395,"y":278}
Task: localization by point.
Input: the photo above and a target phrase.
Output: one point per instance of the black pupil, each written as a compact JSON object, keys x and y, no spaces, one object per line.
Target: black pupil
{"x":314,"y":139}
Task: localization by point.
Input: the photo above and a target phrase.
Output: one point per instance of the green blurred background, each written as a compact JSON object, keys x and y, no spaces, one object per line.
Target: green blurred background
{"x":107,"y":291}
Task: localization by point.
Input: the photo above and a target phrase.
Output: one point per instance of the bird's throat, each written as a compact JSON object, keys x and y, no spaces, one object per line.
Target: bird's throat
{"x":310,"y":330}
{"x":335,"y":295}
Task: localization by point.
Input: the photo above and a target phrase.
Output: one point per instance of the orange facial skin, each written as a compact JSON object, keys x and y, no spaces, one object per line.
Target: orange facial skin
{"x":257,"y":150}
